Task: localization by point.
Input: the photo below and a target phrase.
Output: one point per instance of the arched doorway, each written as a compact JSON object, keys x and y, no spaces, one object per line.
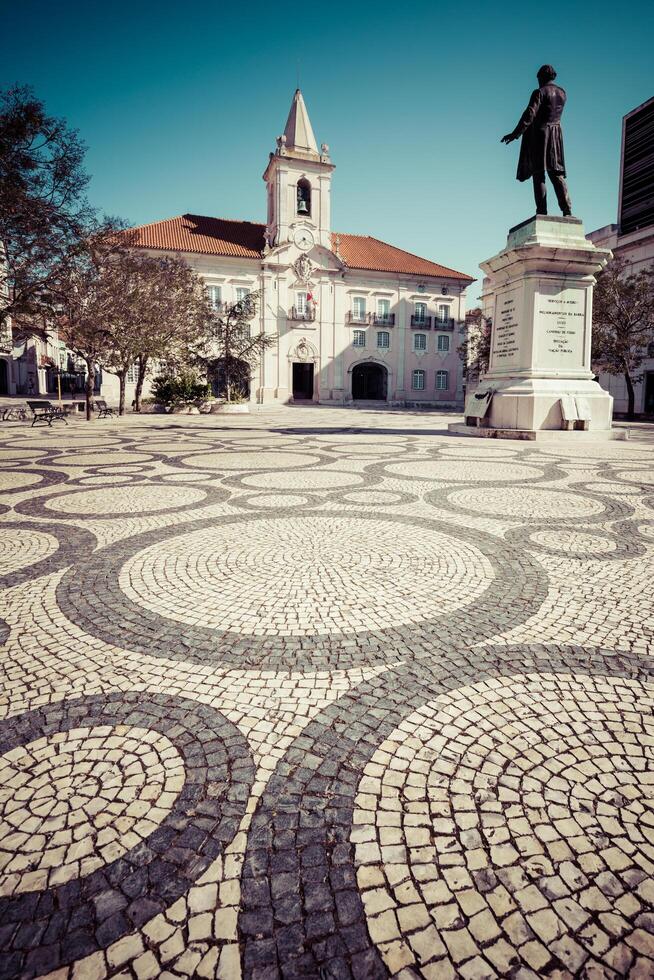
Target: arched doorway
{"x":4,"y":378}
{"x":369,"y":382}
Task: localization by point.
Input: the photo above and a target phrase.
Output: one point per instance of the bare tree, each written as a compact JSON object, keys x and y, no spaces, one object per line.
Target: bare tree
{"x":89,"y":303}
{"x":234,"y":350}
{"x":43,"y":212}
{"x":623,"y":322}
{"x":170,"y":320}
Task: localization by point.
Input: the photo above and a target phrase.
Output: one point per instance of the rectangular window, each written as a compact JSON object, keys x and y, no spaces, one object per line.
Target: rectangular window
{"x":359,"y":338}
{"x":132,"y":374}
{"x":215,"y":296}
{"x":301,"y":303}
{"x":418,"y":380}
{"x":420,"y":314}
{"x":443,"y":343}
{"x":383,"y":308}
{"x":442,"y":380}
{"x":420,"y":341}
{"x":444,"y":312}
{"x":241,"y":293}
{"x":383,"y":338}
{"x":359,"y":307}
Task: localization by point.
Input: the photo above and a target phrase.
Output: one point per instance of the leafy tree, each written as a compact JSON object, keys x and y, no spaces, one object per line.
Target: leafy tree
{"x":43,"y":212}
{"x":233,"y":350}
{"x":474,"y":351}
{"x":182,"y":388}
{"x":623,"y":322}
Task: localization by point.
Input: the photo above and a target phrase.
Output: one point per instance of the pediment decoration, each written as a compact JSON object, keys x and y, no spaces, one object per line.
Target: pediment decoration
{"x":303,"y":267}
{"x":304,"y":351}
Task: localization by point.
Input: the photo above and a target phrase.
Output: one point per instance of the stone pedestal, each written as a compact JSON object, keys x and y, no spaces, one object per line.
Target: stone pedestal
{"x":539,"y":378}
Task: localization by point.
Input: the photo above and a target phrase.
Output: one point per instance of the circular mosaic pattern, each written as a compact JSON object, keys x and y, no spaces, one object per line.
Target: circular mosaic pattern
{"x":113,"y":457}
{"x":18,"y":454}
{"x":271,"y":501}
{"x":15,"y":480}
{"x":462,"y":470}
{"x":527,"y":503}
{"x":21,"y":548}
{"x":189,"y":753}
{"x":70,"y":805}
{"x":502,"y":826}
{"x":311,"y":480}
{"x":382,"y":498}
{"x":642,"y":478}
{"x":568,"y":540}
{"x":261,"y":460}
{"x":305,"y":575}
{"x":137,"y":499}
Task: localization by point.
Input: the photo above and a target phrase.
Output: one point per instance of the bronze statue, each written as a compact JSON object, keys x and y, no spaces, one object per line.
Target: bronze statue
{"x":541,"y":148}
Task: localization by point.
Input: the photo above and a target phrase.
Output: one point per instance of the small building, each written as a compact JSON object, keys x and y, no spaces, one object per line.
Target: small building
{"x":632,"y":238}
{"x":356,"y":319}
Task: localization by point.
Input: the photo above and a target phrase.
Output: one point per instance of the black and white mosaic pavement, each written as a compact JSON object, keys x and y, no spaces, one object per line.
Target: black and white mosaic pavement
{"x":324,"y":693}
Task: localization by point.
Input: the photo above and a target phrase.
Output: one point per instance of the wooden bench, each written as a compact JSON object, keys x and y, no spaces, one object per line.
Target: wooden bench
{"x":45,"y":411}
{"x":103,"y":409}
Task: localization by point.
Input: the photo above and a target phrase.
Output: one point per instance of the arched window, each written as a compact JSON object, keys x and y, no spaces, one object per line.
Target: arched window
{"x":303,"y":196}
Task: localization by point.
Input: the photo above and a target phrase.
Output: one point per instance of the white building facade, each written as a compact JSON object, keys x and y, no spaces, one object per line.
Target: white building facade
{"x":632,"y":238}
{"x":355,"y":319}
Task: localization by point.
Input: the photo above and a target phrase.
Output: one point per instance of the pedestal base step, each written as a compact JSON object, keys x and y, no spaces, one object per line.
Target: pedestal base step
{"x":539,"y":435}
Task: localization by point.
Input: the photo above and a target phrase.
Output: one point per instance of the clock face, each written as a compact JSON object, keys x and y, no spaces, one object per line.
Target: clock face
{"x":303,"y":239}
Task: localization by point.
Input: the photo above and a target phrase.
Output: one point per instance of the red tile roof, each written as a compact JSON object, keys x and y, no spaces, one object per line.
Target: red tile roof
{"x":245,"y":239}
{"x":206,"y":236}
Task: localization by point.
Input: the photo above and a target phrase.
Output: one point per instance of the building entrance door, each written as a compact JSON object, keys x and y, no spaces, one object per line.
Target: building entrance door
{"x":649,"y":393}
{"x":4,"y":378}
{"x":369,"y":382}
{"x":302,"y":382}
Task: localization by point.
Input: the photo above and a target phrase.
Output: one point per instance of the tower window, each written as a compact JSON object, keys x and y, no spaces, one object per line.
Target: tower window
{"x":303,"y":196}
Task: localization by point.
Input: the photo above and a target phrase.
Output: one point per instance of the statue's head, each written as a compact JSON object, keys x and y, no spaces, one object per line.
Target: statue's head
{"x":545,"y":74}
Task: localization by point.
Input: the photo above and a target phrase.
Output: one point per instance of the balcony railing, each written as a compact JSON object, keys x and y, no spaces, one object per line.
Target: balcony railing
{"x":445,"y":324}
{"x":384,"y":319}
{"x":421,"y":322}
{"x":306,"y":315}
{"x":358,"y":318}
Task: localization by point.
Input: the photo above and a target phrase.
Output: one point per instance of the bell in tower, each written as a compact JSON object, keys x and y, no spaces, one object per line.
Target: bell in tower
{"x":303,"y":197}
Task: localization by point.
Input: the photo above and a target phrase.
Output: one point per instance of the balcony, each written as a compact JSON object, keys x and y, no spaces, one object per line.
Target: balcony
{"x":421,"y":322}
{"x":384,"y":319}
{"x":307,"y":315}
{"x":445,"y":324}
{"x":358,"y":318}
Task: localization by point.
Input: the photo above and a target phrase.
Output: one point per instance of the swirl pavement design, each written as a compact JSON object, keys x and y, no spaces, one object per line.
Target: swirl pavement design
{"x":324,"y":694}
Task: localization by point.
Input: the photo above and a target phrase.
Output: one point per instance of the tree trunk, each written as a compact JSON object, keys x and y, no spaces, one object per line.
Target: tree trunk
{"x":90,"y":382}
{"x":631,"y":396}
{"x":143,"y":367}
{"x":121,"y":391}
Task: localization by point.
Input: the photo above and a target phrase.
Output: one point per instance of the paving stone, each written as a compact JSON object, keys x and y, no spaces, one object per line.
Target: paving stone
{"x":303,"y":696}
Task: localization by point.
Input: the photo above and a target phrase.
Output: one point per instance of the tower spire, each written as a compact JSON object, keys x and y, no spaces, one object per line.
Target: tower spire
{"x":298,"y":130}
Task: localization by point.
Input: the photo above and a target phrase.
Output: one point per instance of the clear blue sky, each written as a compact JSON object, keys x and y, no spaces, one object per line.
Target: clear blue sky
{"x":180,"y":105}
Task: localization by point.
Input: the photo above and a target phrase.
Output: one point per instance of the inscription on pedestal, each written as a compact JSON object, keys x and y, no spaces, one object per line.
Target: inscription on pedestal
{"x":506,"y":329}
{"x":560,"y":324}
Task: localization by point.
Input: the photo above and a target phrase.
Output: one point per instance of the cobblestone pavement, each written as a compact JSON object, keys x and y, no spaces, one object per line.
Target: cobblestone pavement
{"x":324,"y":693}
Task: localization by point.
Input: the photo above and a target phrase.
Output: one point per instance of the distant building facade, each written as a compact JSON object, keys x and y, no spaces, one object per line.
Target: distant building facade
{"x":355,"y":319}
{"x":632,"y":238}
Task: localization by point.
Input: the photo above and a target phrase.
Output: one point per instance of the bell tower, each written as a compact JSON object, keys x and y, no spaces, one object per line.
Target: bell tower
{"x":298,"y":180}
